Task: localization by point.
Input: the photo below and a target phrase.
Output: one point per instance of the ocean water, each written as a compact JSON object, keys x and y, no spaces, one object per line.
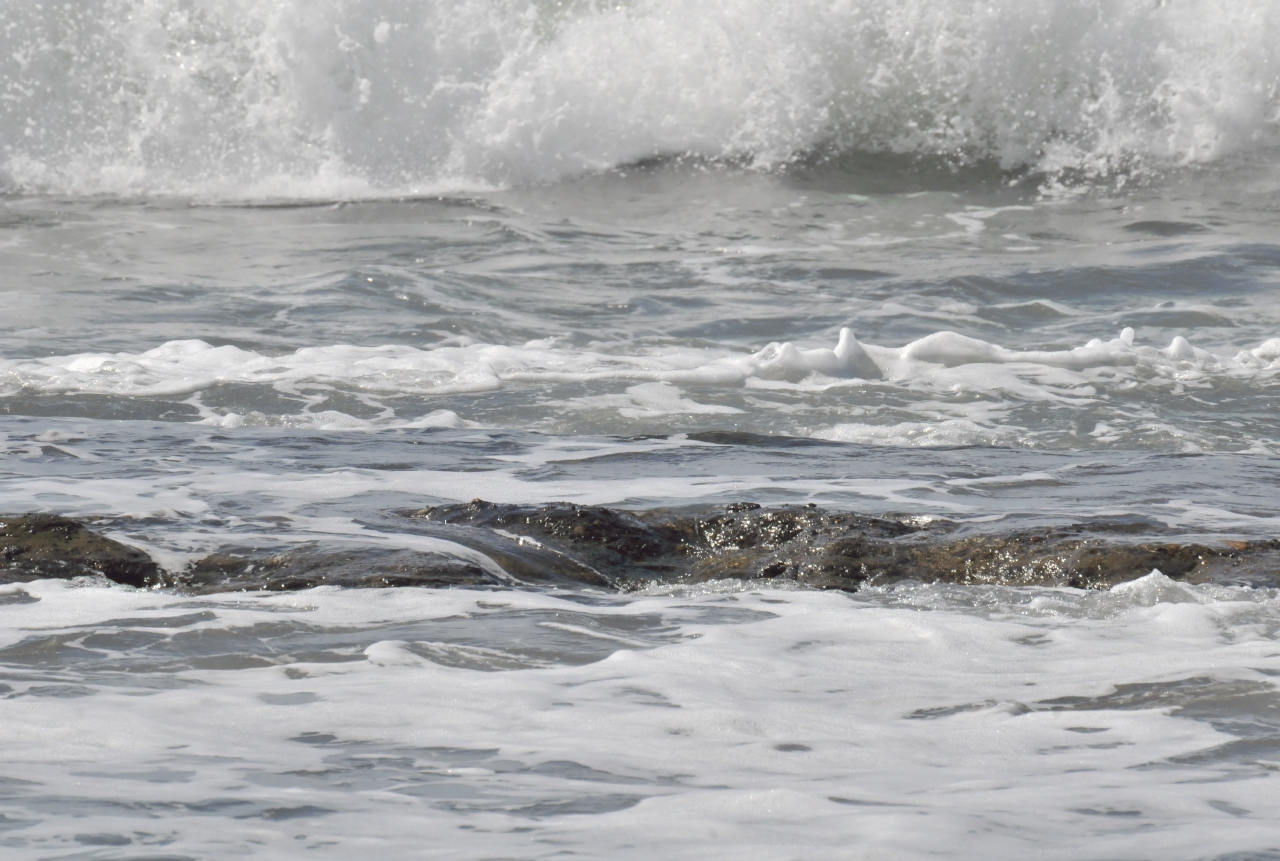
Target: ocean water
{"x":272,"y":272}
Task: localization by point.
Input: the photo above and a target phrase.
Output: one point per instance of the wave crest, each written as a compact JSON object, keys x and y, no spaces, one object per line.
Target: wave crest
{"x":322,"y":98}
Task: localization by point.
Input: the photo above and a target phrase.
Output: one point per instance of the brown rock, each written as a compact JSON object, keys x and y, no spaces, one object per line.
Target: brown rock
{"x":833,"y":550}
{"x":46,"y":546}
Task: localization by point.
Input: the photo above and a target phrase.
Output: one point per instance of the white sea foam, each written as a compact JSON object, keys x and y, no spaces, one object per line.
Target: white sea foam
{"x":715,"y":723}
{"x":322,"y":99}
{"x":946,"y":432}
{"x":944,"y":389}
{"x":328,"y":420}
{"x":944,"y":359}
{"x":285,"y":496}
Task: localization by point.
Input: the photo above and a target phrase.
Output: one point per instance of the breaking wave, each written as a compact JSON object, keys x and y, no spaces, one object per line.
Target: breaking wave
{"x":241,"y":99}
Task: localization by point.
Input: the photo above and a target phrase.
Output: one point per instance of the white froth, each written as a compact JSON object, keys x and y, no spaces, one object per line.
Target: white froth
{"x":184,"y":367}
{"x":335,"y":99}
{"x":955,"y":389}
{"x":919,"y":722}
{"x":948,"y":432}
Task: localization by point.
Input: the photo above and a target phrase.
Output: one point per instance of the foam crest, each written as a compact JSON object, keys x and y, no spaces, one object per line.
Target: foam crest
{"x":184,"y":367}
{"x":320,"y":99}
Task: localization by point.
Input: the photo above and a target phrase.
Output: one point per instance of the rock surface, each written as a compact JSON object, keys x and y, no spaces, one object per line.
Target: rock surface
{"x":833,"y":550}
{"x":46,"y":546}
{"x":308,"y":568}
{"x":572,"y":546}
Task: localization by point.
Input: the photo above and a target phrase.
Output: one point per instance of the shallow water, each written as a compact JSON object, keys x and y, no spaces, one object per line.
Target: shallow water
{"x":914,"y":723}
{"x":273,"y":272}
{"x":625,"y":340}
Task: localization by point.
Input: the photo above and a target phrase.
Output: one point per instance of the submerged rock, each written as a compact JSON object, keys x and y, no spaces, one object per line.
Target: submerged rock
{"x":46,"y":546}
{"x":308,"y":567}
{"x":572,"y":546}
{"x":833,"y":550}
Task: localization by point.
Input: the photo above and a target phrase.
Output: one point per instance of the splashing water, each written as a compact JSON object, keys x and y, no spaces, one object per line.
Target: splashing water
{"x":248,"y":98}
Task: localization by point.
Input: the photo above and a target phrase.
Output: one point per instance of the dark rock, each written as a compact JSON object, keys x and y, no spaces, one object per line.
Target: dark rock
{"x":46,"y":546}
{"x":567,"y":545}
{"x":308,"y":568}
{"x":617,"y":537}
{"x":832,"y":550}
{"x":577,"y":544}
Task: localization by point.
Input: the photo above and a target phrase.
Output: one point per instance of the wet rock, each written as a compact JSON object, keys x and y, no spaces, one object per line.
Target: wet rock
{"x":46,"y":546}
{"x":308,"y":567}
{"x":603,"y":538}
{"x":833,"y":550}
{"x":572,"y":546}
{"x":513,"y":563}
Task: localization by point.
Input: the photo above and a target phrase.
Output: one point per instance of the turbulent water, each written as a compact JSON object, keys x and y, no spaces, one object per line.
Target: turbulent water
{"x":308,"y":99}
{"x":274,"y":273}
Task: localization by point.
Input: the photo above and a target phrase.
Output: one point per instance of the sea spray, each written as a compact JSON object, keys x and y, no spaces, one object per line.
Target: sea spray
{"x":247,"y":98}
